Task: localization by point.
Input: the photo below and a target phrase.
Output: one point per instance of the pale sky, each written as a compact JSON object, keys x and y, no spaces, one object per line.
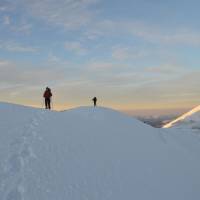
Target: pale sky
{"x":131,"y":54}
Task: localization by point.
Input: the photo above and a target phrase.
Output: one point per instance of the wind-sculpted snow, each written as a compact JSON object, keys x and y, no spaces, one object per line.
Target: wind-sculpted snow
{"x":93,"y":154}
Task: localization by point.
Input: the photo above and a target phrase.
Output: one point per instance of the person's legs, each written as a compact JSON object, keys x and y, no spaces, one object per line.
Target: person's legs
{"x":49,"y":104}
{"x":46,"y":103}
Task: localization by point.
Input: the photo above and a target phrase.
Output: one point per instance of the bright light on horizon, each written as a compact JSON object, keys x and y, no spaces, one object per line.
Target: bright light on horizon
{"x":184,"y":116}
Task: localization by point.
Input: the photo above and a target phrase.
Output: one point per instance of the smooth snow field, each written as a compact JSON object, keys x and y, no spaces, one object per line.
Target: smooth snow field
{"x":94,"y":154}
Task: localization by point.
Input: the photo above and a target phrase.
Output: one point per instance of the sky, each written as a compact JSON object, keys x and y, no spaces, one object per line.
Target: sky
{"x":131,"y":54}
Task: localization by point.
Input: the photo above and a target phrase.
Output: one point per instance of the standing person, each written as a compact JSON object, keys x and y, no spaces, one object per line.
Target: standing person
{"x":47,"y":96}
{"x":95,"y":101}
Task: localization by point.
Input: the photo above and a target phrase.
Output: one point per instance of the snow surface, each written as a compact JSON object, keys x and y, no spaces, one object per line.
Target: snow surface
{"x":189,"y":120}
{"x":93,"y":154}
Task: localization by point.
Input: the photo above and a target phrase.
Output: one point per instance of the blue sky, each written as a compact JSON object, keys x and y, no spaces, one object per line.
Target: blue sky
{"x":131,"y":54}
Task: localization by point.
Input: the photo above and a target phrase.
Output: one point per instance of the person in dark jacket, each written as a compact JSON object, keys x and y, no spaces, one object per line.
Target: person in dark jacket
{"x":47,"y":96}
{"x":95,"y":101}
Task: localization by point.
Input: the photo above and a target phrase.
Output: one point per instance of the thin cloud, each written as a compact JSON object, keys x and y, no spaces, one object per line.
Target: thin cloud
{"x":125,"y":53}
{"x":22,"y":27}
{"x":75,"y":47}
{"x":6,"y":20}
{"x":19,"y":74}
{"x":65,"y":13}
{"x":148,"y":32}
{"x":73,"y":15}
{"x":121,"y":53}
{"x":6,"y":6}
{"x":101,"y":65}
{"x":15,"y":47}
{"x":3,"y":8}
{"x":167,"y":69}
{"x":4,"y":63}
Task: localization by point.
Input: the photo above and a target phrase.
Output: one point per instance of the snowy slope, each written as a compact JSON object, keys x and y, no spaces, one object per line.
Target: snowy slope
{"x":190,"y":120}
{"x":93,"y":154}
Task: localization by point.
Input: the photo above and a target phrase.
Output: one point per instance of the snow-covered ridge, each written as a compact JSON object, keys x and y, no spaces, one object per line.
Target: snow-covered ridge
{"x":94,"y":154}
{"x":190,"y":119}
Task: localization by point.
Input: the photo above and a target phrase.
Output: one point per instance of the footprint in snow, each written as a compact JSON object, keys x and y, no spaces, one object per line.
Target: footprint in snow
{"x":14,"y":195}
{"x":15,"y":164}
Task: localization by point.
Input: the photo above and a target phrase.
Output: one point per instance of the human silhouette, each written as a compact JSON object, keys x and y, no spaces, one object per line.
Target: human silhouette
{"x":47,"y":96}
{"x":95,"y":101}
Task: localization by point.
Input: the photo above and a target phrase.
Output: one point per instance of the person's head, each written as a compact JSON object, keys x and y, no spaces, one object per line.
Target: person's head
{"x":47,"y":88}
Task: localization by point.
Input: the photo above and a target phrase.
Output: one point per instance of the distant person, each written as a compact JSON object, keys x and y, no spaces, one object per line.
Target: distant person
{"x":95,"y":101}
{"x":47,"y":96}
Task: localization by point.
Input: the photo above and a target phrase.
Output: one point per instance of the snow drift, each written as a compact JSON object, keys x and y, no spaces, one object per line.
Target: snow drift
{"x":93,"y":154}
{"x":190,"y":119}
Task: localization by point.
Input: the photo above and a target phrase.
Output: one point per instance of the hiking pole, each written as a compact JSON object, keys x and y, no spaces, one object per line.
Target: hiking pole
{"x":43,"y":103}
{"x":52,"y":103}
